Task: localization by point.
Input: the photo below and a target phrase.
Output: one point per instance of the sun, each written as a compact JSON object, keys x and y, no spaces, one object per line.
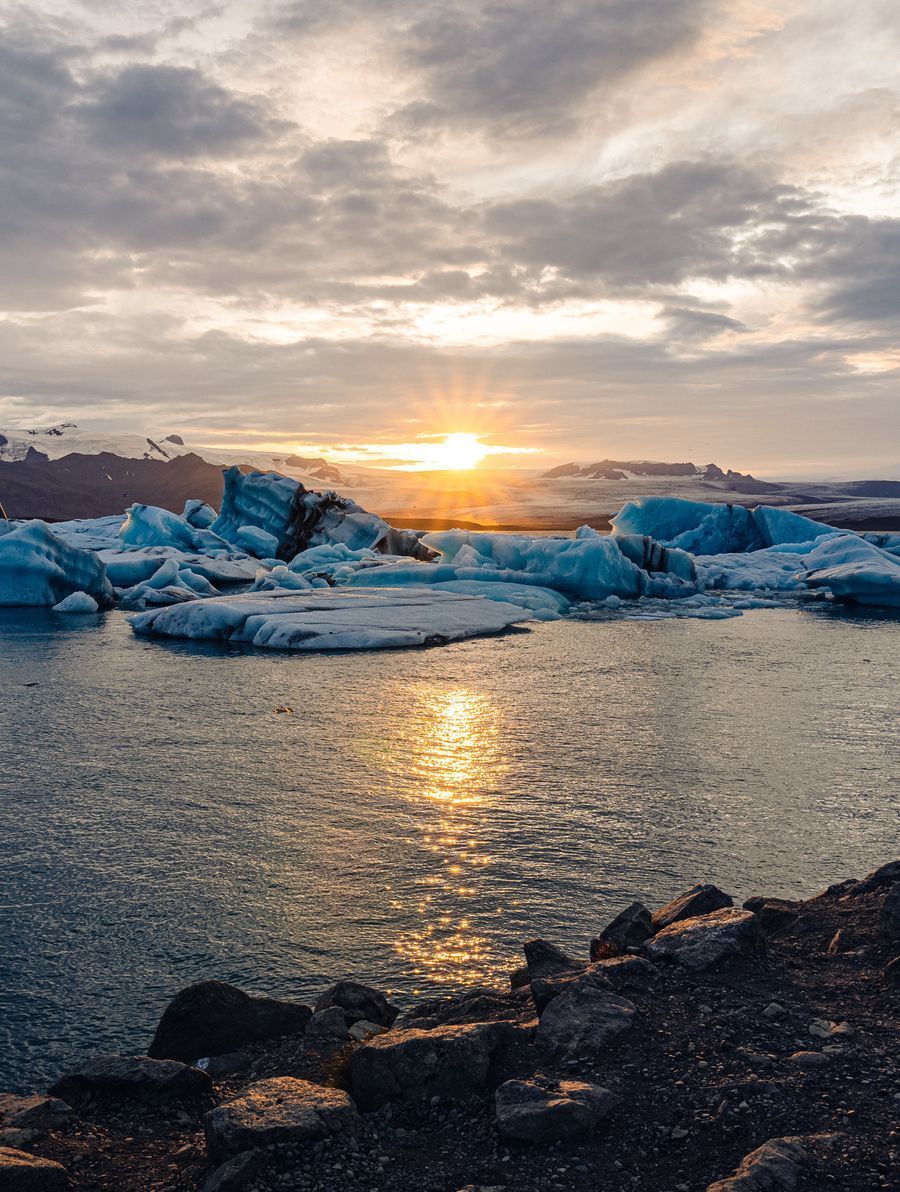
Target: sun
{"x":458,"y":452}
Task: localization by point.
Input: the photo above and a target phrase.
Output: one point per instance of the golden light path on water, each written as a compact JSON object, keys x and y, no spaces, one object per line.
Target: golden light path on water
{"x":458,"y":756}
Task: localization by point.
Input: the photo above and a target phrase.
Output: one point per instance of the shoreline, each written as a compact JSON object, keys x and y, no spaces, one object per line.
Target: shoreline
{"x":675,"y":1044}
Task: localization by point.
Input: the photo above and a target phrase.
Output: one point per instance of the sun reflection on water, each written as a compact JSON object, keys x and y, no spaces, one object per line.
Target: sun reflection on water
{"x":458,"y":760}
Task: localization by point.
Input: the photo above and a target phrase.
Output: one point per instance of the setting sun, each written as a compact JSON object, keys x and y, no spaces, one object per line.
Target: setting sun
{"x":457,"y":452}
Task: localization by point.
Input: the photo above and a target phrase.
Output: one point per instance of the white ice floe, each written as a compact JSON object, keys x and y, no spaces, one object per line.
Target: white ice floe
{"x":854,"y":570}
{"x":38,"y":568}
{"x":333,"y":619}
{"x":77,"y":602}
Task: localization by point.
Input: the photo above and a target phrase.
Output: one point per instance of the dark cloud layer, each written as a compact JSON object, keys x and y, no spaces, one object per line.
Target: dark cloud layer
{"x":123,"y":177}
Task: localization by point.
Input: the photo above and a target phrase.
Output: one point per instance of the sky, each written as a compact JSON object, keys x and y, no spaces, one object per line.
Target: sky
{"x":658,"y":229}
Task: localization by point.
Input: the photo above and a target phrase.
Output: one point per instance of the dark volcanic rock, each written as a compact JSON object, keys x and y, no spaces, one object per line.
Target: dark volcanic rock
{"x":773,"y":1167}
{"x":549,"y":969}
{"x":136,"y":1076}
{"x":886,"y":875}
{"x":35,"y":1114}
{"x":628,"y":929}
{"x":773,"y":913}
{"x":706,"y":940}
{"x":699,"y":900}
{"x":892,"y":972}
{"x":212,"y":1017}
{"x":236,"y":1173}
{"x":359,"y":1002}
{"x":21,"y":1172}
{"x":584,"y":1017}
{"x":628,"y":972}
{"x":282,"y":1110}
{"x":541,"y":1111}
{"x":889,"y":916}
{"x":414,"y":1065}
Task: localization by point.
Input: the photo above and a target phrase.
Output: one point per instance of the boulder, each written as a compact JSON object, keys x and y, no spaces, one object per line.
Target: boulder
{"x":774,"y":914}
{"x":21,"y":1172}
{"x":886,"y":875}
{"x":328,"y":1024}
{"x":413,"y":1065}
{"x":34,"y":1114}
{"x":701,"y":942}
{"x":362,"y":1030}
{"x":627,"y":930}
{"x":628,"y":972}
{"x":282,"y":1110}
{"x":549,"y":969}
{"x":235,"y":1173}
{"x":889,"y":916}
{"x":541,"y":1111}
{"x":359,"y":1002}
{"x":213,"y":1017}
{"x":773,"y":1167}
{"x":699,"y":900}
{"x":584,"y":1018}
{"x":137,"y":1077}
{"x":225,"y":1065}
{"x":519,"y":977}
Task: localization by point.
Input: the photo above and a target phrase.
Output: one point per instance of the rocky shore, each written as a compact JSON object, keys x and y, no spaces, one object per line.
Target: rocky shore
{"x":700,"y":1047}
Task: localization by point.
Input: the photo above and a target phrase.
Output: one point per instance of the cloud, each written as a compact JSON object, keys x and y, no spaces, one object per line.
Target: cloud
{"x":172,"y":111}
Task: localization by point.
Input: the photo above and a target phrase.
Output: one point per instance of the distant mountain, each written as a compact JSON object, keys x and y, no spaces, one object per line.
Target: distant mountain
{"x":630,"y":469}
{"x":62,"y":471}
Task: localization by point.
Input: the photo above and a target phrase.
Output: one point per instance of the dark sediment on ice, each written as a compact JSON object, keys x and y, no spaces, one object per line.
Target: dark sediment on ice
{"x":704,"y":1047}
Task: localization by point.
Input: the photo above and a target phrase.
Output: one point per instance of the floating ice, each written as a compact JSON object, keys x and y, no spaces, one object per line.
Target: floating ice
{"x":257,"y":542}
{"x":148,"y":525}
{"x":855,"y":570}
{"x":298,"y":518}
{"x":692,"y":526}
{"x":333,"y":619}
{"x":77,"y":602}
{"x":38,"y":568}
{"x":199,"y":514}
{"x":588,"y":568}
{"x":126,"y":568}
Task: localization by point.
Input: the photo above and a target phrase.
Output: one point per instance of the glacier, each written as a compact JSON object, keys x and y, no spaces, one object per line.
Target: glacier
{"x":275,"y":538}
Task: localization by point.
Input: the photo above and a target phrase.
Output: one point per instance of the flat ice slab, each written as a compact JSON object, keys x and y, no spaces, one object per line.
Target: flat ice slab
{"x":333,"y":618}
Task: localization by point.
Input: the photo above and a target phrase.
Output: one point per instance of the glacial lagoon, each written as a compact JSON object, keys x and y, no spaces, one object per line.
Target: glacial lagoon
{"x":413,"y":815}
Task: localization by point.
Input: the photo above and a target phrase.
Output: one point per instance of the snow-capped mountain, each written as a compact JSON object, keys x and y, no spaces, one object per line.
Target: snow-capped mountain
{"x":67,"y":438}
{"x":632,"y":469}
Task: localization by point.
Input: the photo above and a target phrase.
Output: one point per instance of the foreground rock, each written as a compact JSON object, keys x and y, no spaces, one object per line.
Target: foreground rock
{"x":889,"y":916}
{"x":627,"y":930}
{"x":278,"y":1111}
{"x":699,"y":900}
{"x":585,"y":1018}
{"x":541,"y":1111}
{"x":549,"y":971}
{"x":414,"y":1065}
{"x":359,"y":1003}
{"x":33,"y":1115}
{"x":702,"y":942}
{"x":21,"y":1172}
{"x":774,"y":1166}
{"x":213,"y":1017}
{"x":137,"y":1077}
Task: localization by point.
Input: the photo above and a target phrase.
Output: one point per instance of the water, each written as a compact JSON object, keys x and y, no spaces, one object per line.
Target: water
{"x":418,"y":814}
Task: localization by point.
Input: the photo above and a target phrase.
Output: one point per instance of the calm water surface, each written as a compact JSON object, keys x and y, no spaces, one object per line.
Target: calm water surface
{"x":418,"y":814}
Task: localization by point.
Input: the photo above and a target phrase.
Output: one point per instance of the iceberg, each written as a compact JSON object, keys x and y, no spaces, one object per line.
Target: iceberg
{"x":199,"y":514}
{"x":126,"y":568}
{"x":333,"y":619}
{"x":77,"y":602}
{"x":692,"y":526}
{"x":587,"y":568}
{"x":298,"y":518}
{"x":855,"y":571}
{"x":148,"y":525}
{"x":257,"y":542}
{"x":38,"y":568}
